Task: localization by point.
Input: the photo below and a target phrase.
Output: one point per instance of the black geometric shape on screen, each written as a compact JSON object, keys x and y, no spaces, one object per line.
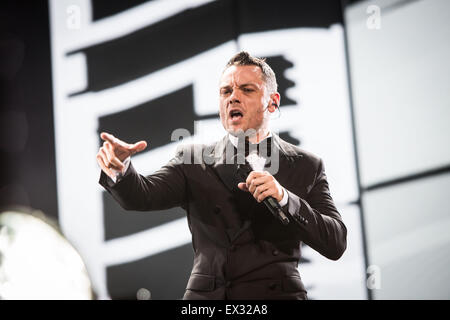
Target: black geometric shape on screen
{"x":105,"y":8}
{"x":119,"y":222}
{"x":157,"y":46}
{"x":165,"y":275}
{"x":263,"y":15}
{"x":194,"y":31}
{"x":279,"y":64}
{"x":153,"y":121}
{"x":286,"y":136}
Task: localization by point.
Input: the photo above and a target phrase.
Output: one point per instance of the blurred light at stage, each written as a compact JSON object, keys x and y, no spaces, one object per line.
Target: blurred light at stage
{"x":37,"y":262}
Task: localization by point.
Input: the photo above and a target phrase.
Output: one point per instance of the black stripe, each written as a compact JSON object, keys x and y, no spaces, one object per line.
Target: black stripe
{"x":157,"y":46}
{"x":193,"y":31}
{"x":149,"y":121}
{"x":105,"y":8}
{"x":263,"y":15}
{"x":408,"y":178}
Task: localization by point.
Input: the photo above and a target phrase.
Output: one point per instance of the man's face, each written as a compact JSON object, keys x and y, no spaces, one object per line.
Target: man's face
{"x":243,"y":99}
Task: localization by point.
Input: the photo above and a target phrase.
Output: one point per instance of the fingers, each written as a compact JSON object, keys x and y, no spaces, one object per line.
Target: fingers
{"x":254,"y":175}
{"x":138,"y":147}
{"x":261,"y":185}
{"x":111,"y":155}
{"x":108,"y":137}
{"x":103,"y":156}
{"x":102,"y":165}
{"x":123,"y":146}
{"x":109,"y":159}
{"x":242,"y":186}
{"x":115,"y":142}
{"x":262,"y":191}
{"x":269,"y":192}
{"x":257,"y":181}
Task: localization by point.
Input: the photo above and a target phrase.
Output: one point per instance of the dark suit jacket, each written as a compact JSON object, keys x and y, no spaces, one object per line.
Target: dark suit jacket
{"x":240,"y":250}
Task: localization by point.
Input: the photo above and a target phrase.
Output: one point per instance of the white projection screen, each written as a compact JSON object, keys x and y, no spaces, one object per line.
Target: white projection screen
{"x":400,"y":78}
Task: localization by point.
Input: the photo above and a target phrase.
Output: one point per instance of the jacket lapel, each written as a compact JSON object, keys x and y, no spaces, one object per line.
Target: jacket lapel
{"x":223,"y":164}
{"x":224,"y":167}
{"x":287,"y":158}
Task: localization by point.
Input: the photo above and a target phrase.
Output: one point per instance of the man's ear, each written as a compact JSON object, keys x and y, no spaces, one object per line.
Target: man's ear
{"x":274,"y":102}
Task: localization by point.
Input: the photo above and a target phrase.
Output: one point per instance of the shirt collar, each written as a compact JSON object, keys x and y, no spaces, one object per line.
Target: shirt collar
{"x":234,"y":139}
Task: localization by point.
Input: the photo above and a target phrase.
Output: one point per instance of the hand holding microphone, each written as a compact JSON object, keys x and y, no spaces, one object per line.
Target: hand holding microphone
{"x":264,"y":188}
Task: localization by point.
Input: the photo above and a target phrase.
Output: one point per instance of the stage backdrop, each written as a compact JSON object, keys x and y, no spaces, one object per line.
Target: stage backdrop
{"x":140,"y":70}
{"x":400,"y":75}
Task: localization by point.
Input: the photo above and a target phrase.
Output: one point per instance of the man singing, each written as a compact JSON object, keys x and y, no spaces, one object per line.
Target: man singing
{"x":241,"y":249}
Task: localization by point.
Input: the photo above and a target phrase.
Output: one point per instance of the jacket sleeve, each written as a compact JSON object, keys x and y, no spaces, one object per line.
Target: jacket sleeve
{"x":164,"y":189}
{"x":317,"y":221}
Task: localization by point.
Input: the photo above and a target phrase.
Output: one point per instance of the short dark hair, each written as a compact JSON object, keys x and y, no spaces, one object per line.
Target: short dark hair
{"x":243,"y":58}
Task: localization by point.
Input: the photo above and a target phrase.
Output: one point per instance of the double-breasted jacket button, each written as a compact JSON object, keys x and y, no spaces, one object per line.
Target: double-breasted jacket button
{"x":217,"y":209}
{"x":303,"y":220}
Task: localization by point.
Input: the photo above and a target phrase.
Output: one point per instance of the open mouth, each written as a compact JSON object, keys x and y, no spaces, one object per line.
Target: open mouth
{"x":236,"y":115}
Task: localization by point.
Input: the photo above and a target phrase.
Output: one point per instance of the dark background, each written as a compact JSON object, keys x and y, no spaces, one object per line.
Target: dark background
{"x":27,"y":152}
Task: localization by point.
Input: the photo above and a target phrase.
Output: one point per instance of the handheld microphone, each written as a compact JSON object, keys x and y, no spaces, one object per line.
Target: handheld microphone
{"x":274,"y":207}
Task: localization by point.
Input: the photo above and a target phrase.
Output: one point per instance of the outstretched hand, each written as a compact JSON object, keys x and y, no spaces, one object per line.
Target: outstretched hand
{"x":114,"y":151}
